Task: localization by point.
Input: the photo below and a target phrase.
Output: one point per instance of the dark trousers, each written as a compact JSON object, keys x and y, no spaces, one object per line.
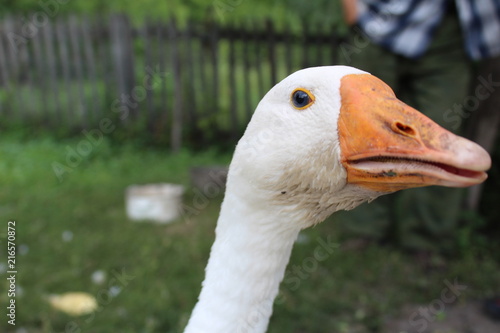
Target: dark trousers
{"x":435,"y":84}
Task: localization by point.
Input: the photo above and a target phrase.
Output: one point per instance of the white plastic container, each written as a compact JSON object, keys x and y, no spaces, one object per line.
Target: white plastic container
{"x":159,"y":203}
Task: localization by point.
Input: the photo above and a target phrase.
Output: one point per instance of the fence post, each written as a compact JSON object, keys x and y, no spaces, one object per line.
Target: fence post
{"x":146,"y":35}
{"x":62,"y":37}
{"x":258,"y":60}
{"x":232,"y":84}
{"x":272,"y":56}
{"x":40,"y":74}
{"x":190,"y":87}
{"x":89,"y":54}
{"x":48,"y":36}
{"x":334,"y":43}
{"x":161,"y":117}
{"x":176,"y":134}
{"x":4,"y":77}
{"x":246,"y":40}
{"x":287,"y":40}
{"x":214,"y":54}
{"x":75,"y":38}
{"x":122,"y":54}
{"x":305,"y":44}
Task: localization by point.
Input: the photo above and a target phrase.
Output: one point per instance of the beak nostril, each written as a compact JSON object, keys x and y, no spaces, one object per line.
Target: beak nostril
{"x":404,"y":129}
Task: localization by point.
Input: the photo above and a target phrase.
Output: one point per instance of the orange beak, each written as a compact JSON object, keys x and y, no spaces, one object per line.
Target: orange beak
{"x":399,"y":147}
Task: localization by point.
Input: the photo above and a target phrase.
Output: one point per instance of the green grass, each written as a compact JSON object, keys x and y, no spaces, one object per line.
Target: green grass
{"x":163,"y":264}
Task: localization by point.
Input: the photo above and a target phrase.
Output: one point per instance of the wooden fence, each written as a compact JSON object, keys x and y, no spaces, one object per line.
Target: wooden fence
{"x":195,"y":82}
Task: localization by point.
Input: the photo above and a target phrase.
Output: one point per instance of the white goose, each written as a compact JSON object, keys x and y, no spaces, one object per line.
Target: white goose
{"x":321,"y":140}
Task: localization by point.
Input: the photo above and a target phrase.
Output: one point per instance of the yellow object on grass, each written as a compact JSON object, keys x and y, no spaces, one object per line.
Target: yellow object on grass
{"x":74,"y":303}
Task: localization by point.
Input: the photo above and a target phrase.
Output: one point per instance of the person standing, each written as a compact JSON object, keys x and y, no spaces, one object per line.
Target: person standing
{"x":424,"y":50}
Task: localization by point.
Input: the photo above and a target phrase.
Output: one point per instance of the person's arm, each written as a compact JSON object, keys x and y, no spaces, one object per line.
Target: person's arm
{"x":350,"y":11}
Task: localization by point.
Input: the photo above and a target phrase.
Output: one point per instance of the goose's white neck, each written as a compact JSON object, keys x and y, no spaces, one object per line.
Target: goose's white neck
{"x":246,"y":265}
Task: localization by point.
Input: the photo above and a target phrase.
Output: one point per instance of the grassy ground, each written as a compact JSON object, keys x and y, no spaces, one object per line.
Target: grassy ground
{"x":71,"y":226}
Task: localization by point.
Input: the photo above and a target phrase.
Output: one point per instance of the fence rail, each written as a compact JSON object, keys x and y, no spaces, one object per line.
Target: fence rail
{"x":192,"y":82}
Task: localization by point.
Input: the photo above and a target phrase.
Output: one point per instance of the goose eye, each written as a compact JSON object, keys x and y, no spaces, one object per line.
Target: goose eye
{"x":302,"y":98}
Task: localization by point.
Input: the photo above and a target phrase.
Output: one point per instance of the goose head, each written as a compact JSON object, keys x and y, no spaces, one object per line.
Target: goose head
{"x":321,"y":140}
{"x":330,"y":138}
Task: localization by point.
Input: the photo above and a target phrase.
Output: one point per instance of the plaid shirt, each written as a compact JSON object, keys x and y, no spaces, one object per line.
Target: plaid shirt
{"x":406,"y":27}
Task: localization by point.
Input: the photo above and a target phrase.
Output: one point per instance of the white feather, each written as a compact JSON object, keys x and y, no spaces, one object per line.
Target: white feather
{"x":285,"y":175}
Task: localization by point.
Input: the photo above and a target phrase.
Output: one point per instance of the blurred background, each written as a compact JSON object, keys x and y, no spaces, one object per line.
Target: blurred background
{"x":98,"y":95}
